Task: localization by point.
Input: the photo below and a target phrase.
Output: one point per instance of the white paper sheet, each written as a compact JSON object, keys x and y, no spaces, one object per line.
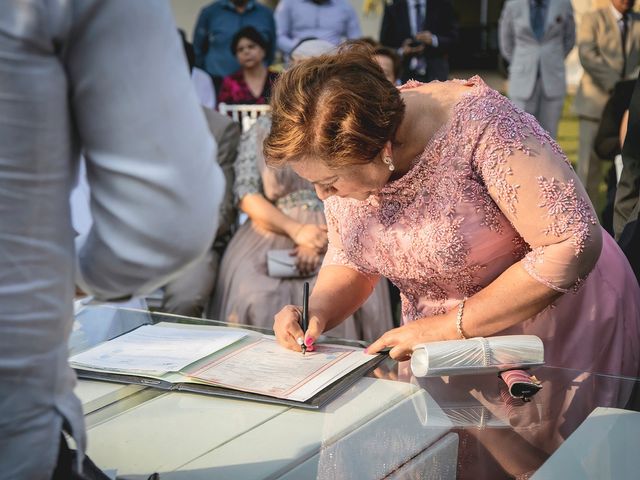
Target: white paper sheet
{"x":156,"y":349}
{"x":266,"y":368}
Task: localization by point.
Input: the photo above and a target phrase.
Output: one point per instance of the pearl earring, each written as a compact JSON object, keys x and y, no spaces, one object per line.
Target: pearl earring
{"x":386,"y":159}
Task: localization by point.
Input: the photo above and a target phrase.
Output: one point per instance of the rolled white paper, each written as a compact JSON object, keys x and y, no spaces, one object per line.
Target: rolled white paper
{"x":476,"y":355}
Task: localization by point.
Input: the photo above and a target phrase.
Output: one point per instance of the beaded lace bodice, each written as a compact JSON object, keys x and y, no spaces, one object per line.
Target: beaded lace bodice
{"x":490,"y":189}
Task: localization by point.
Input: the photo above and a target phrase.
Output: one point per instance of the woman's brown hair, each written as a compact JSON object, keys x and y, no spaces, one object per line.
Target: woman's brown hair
{"x":337,"y":107}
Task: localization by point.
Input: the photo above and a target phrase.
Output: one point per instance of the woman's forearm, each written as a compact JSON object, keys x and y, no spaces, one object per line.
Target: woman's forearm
{"x":338,"y":293}
{"x":266,"y":215}
{"x":511,"y":298}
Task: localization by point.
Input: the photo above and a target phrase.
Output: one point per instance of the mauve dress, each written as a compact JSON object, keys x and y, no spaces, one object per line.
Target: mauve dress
{"x":490,"y":190}
{"x":244,"y":292}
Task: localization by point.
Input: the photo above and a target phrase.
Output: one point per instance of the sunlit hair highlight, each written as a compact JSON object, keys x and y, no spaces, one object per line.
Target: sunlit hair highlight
{"x":338,"y":108}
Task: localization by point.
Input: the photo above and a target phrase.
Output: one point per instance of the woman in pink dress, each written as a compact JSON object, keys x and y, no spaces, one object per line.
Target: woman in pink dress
{"x":467,"y":205}
{"x":464,"y":202}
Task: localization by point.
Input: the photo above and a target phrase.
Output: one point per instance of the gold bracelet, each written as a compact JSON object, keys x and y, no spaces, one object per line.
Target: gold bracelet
{"x":459,"y":319}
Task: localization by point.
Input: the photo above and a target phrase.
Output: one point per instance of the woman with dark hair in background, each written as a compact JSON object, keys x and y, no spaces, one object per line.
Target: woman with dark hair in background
{"x":252,"y":83}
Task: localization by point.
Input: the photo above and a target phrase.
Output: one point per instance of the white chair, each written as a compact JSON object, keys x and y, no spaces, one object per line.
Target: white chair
{"x":245,"y":115}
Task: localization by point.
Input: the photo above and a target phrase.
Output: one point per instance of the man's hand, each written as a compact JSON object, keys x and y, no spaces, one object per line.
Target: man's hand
{"x":425,"y":37}
{"x":408,"y":50}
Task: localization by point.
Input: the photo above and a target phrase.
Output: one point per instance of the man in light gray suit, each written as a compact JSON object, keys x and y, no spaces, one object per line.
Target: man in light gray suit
{"x":535,"y":37}
{"x":606,"y":60}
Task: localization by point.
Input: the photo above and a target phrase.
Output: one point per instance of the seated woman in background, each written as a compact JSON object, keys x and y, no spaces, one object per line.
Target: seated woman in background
{"x":252,"y":83}
{"x":284,"y":213}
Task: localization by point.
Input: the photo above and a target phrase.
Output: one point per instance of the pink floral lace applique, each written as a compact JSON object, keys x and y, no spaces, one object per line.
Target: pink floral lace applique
{"x":567,"y":211}
{"x":520,"y":247}
{"x":531,"y":263}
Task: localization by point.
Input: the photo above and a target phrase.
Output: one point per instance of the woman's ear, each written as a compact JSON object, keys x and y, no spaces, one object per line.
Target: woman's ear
{"x":387,"y":150}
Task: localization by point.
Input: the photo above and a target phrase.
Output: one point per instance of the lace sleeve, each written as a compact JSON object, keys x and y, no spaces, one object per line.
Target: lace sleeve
{"x":336,"y":254}
{"x":530,"y":179}
{"x":248,"y":179}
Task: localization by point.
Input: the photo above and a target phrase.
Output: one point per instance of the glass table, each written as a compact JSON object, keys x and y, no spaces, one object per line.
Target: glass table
{"x":387,"y":425}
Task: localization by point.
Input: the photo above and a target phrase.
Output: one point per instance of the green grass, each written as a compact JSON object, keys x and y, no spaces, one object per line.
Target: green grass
{"x":568,"y":132}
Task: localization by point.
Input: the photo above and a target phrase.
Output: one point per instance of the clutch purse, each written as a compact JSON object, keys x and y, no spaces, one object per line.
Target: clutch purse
{"x":476,"y":355}
{"x":281,"y":264}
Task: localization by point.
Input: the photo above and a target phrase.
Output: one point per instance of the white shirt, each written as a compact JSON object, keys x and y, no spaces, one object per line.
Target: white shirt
{"x":76,"y":82}
{"x":618,"y":16}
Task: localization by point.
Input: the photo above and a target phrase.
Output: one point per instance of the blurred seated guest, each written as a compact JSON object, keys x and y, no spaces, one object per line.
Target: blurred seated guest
{"x":330,"y":20}
{"x":608,"y":141}
{"x":390,"y":63}
{"x":252,"y":83}
{"x":189,"y":293}
{"x":423,"y":32}
{"x":284,"y":214}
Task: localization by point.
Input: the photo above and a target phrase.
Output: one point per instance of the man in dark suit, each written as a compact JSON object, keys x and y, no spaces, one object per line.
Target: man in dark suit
{"x":627,"y":206}
{"x":422,"y":31}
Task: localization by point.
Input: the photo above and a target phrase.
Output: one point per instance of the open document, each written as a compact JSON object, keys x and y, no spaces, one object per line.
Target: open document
{"x":224,"y":361}
{"x":156,"y":349}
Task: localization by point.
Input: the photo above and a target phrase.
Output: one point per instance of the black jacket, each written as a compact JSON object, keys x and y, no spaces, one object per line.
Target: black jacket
{"x":627,"y":204}
{"x":439,"y":20}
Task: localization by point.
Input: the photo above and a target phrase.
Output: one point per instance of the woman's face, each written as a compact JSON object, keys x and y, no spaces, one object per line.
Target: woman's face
{"x":249,"y":53}
{"x":353,"y":181}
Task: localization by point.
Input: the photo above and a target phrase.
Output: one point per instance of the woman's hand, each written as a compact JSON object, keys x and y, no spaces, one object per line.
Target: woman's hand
{"x":289,"y":333}
{"x":401,"y":340}
{"x":307,"y":259}
{"x":313,"y":236}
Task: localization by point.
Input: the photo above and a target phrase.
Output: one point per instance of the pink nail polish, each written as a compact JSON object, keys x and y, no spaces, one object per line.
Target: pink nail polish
{"x":311,"y":348}
{"x":366,"y":350}
{"x":308,"y":341}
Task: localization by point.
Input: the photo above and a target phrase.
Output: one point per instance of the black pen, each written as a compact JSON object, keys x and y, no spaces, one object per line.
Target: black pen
{"x":305,"y":315}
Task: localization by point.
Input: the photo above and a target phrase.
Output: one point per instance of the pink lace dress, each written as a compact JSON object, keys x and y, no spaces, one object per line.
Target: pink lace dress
{"x":492,"y":189}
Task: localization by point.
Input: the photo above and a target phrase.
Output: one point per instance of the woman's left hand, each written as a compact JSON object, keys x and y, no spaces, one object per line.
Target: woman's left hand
{"x":401,"y":340}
